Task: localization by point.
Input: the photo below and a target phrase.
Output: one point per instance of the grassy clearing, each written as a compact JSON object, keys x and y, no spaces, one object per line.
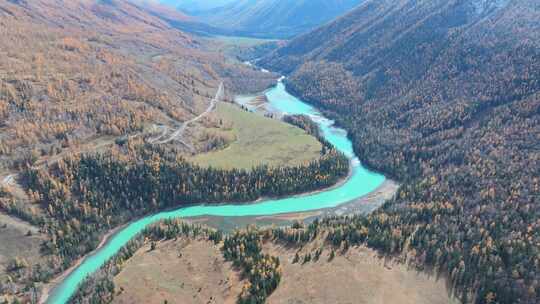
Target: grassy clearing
{"x":16,"y":242}
{"x":358,"y":276}
{"x":259,"y":140}
{"x":240,"y":41}
{"x":183,"y":271}
{"x":193,"y":271}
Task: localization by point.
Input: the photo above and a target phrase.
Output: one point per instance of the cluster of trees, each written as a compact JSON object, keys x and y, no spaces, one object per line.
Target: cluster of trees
{"x":262,"y":271}
{"x":3,"y":110}
{"x":99,"y":288}
{"x":304,"y":122}
{"x":83,"y":196}
{"x":243,"y":248}
{"x":216,"y":140}
{"x":22,"y":210}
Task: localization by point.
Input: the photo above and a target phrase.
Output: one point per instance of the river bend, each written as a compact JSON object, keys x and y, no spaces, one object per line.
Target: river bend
{"x":359,"y":183}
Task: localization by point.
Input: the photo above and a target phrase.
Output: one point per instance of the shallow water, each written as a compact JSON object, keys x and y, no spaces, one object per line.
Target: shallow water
{"x":360,"y":183}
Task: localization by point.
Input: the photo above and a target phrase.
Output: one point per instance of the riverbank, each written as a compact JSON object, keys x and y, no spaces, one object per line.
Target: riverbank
{"x":253,"y":140}
{"x":46,"y":289}
{"x":360,"y":206}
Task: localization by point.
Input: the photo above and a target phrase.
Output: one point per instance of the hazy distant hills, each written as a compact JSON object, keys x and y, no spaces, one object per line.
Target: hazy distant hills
{"x":190,"y":6}
{"x":264,"y":18}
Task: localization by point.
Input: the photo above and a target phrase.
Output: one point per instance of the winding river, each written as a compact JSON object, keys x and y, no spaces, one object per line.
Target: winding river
{"x":360,"y":183}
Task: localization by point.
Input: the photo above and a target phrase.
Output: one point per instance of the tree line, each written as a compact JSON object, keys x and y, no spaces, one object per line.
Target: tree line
{"x":77,"y":199}
{"x":260,"y":271}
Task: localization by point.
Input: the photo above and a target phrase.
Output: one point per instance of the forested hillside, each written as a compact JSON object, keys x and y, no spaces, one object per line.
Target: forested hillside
{"x":81,"y":76}
{"x":445,"y":97}
{"x":75,"y":71}
{"x":83,"y":197}
{"x":270,"y":18}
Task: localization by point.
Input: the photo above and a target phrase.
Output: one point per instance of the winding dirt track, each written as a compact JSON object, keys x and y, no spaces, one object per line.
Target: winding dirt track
{"x":177,"y":134}
{"x":9,"y":180}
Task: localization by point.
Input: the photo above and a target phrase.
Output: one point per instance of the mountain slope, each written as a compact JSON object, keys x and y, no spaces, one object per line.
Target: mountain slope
{"x":273,"y":18}
{"x":85,"y":76}
{"x":77,"y":70}
{"x":444,"y":96}
{"x":82,"y":63}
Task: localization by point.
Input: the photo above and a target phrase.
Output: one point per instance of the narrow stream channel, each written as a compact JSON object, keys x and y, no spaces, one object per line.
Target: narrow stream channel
{"x":360,"y":183}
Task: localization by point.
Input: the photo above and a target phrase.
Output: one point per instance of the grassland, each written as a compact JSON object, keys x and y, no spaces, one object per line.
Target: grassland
{"x":19,"y":240}
{"x":358,"y":276}
{"x":258,"y":140}
{"x":234,"y":41}
{"x":191,"y":271}
{"x":183,"y":271}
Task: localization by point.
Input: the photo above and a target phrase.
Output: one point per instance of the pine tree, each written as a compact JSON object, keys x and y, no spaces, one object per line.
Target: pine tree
{"x":296,"y":258}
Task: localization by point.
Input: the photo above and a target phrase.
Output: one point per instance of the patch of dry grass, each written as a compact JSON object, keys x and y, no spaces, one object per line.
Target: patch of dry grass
{"x":192,"y":271}
{"x":359,"y":276}
{"x":16,"y":242}
{"x":183,"y":271}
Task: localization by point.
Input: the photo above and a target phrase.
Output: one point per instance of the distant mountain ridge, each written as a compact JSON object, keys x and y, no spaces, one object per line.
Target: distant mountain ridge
{"x":271,"y":18}
{"x":190,"y":6}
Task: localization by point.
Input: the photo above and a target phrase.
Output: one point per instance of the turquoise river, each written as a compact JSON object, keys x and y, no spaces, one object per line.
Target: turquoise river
{"x":359,"y":183}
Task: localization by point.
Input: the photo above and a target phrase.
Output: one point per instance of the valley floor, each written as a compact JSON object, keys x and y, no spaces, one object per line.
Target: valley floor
{"x":257,"y":140}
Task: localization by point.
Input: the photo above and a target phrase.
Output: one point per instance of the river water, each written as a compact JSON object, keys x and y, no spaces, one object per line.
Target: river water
{"x":360,"y":183}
